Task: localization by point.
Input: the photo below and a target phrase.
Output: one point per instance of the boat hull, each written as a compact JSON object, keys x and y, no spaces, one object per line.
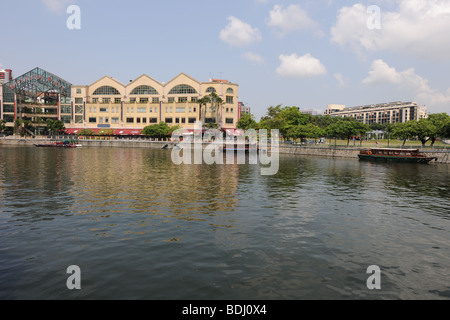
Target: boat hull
{"x":396,"y":159}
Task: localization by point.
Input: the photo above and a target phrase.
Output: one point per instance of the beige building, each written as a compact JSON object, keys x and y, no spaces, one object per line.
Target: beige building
{"x":380,"y":113}
{"x":107,"y":103}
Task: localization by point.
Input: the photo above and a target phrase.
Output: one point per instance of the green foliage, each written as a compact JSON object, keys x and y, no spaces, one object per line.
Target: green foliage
{"x":86,"y":132}
{"x":160,"y":130}
{"x":2,"y":125}
{"x":405,"y":130}
{"x":346,"y":128}
{"x":54,"y":126}
{"x":246,"y":122}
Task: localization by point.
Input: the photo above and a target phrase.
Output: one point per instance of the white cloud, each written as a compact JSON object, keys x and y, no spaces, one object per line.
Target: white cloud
{"x":57,"y":6}
{"x":253,"y":57}
{"x":418,"y":27}
{"x":340,"y":79}
{"x":409,"y":83}
{"x":238,"y":33}
{"x":294,"y":66}
{"x":291,"y":19}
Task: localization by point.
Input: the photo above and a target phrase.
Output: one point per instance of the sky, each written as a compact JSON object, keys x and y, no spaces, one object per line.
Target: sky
{"x":307,"y":54}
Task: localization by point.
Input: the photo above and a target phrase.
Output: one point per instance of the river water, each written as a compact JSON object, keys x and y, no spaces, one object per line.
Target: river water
{"x":140,"y":227}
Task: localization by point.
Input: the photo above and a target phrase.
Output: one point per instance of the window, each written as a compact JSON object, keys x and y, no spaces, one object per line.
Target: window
{"x":94,"y":100}
{"x":106,"y":100}
{"x":141,"y":110}
{"x":130,"y":120}
{"x":100,"y":120}
{"x":106,"y":90}
{"x":182,"y":89}
{"x":153,"y":120}
{"x":155,"y":100}
{"x":78,"y":91}
{"x":79,"y":100}
{"x":177,"y":120}
{"x":8,"y":108}
{"x":78,"y":109}
{"x":210,"y":89}
{"x":78,"y":119}
{"x":210,"y":120}
{"x":132,"y":100}
{"x":192,"y":120}
{"x":92,"y":120}
{"x":171,"y":99}
{"x":66,"y":119}
{"x":144,"y":90}
{"x":229,"y":120}
{"x":8,"y":117}
{"x":229,"y":99}
{"x":66,"y":109}
{"x":180,"y":110}
{"x":114,"y":120}
{"x":182,"y":99}
{"x":194,"y":99}
{"x":143,"y":100}
{"x":138,"y":120}
{"x":183,"y":120}
{"x":117,"y":100}
{"x":103,"y":109}
{"x":229,"y":90}
{"x":144,"y":120}
{"x":168,"y":120}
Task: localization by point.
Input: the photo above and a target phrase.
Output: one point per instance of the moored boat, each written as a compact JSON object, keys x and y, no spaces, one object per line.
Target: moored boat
{"x":395,"y":155}
{"x":60,"y":144}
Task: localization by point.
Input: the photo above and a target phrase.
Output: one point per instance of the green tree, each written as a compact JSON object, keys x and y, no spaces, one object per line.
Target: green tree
{"x":216,"y":105}
{"x":246,"y":122}
{"x":438,"y":122}
{"x":404,"y":130}
{"x":160,"y":130}
{"x":54,"y":126}
{"x":346,"y":128}
{"x":2,"y":125}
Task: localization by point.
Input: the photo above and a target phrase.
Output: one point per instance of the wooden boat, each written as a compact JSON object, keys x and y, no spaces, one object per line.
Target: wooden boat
{"x":247,"y":147}
{"x":60,"y":144}
{"x":395,"y":155}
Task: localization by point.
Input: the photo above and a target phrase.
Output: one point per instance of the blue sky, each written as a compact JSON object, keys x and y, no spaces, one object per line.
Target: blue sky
{"x":297,"y":53}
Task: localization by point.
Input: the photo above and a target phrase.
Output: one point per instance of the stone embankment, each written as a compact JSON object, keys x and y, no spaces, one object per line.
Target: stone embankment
{"x":442,"y":155}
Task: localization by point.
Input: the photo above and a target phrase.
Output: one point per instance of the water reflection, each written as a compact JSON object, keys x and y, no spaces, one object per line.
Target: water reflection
{"x":142,"y":227}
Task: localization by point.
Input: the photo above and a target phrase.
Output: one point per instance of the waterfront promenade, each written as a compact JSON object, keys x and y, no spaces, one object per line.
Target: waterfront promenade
{"x":322,"y":150}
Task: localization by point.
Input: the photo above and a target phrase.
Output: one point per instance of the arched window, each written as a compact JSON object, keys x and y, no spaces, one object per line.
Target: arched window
{"x":229,"y":90}
{"x":182,"y":89}
{"x":210,"y":89}
{"x":144,"y":90}
{"x":106,"y":90}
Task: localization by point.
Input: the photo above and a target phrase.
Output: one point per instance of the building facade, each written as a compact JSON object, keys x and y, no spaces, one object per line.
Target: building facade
{"x":109,"y":104}
{"x":392,"y":112}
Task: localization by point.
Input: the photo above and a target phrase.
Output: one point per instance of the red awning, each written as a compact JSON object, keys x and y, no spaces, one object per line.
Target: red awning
{"x":234,"y":132}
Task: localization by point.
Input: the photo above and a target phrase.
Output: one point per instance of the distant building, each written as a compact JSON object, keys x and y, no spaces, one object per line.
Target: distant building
{"x":243,"y":109}
{"x":380,"y":113}
{"x":39,"y":95}
{"x":5,"y":75}
{"x":309,"y":111}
